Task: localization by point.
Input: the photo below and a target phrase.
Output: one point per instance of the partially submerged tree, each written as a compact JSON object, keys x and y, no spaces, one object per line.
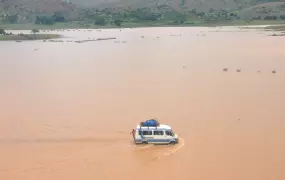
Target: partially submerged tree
{"x":34,"y":31}
{"x":2,"y":32}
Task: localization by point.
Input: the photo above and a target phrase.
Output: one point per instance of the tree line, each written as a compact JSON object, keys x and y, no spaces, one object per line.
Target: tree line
{"x":49,"y":20}
{"x":159,"y":14}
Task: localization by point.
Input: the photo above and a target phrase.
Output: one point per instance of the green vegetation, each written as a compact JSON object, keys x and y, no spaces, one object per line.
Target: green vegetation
{"x":11,"y":18}
{"x":4,"y":36}
{"x":34,"y":31}
{"x":156,"y":15}
{"x":100,"y":20}
{"x":275,"y":28}
{"x":92,"y":18}
{"x":49,"y":20}
{"x":23,"y":37}
{"x":2,"y":32}
{"x":118,"y":22}
{"x":162,"y":16}
{"x":178,"y":12}
{"x":278,"y":29}
{"x":84,"y":25}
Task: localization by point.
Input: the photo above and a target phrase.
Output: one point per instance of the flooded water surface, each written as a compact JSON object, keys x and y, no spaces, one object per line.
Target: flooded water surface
{"x":67,"y":108}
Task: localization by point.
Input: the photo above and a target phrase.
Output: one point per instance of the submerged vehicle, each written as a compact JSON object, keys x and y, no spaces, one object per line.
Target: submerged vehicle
{"x":152,"y":132}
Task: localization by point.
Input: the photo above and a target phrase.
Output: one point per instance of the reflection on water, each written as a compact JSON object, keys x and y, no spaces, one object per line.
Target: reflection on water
{"x":67,"y":108}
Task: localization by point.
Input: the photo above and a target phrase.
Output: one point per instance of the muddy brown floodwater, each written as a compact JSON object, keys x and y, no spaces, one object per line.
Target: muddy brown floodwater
{"x":66,"y":109}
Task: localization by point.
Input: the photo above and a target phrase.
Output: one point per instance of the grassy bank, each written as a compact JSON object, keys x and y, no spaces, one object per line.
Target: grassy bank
{"x":82,"y":25}
{"x":270,"y":27}
{"x":276,"y":28}
{"x":25,"y":37}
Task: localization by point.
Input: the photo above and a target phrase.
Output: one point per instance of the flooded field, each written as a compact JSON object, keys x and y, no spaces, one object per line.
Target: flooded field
{"x":67,"y":108}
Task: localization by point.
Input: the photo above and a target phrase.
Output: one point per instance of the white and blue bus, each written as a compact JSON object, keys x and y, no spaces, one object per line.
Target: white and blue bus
{"x":160,"y":134}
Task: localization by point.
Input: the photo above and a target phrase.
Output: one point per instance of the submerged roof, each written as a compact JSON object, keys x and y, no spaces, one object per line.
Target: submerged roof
{"x":161,"y":126}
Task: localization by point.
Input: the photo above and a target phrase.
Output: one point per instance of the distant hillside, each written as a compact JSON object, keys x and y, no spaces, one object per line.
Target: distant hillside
{"x":23,"y":11}
{"x":26,"y":10}
{"x":65,"y":5}
{"x":269,"y":11}
{"x":199,"y":5}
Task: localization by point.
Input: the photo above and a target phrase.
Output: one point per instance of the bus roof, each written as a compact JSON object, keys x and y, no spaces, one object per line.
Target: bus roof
{"x":161,"y":126}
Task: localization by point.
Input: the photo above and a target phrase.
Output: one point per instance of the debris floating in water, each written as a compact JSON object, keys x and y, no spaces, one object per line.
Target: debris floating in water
{"x":98,"y":39}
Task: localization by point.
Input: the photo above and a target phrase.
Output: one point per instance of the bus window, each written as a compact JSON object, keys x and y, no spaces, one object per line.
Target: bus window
{"x":145,"y":133}
{"x":160,"y":133}
{"x":168,"y":133}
